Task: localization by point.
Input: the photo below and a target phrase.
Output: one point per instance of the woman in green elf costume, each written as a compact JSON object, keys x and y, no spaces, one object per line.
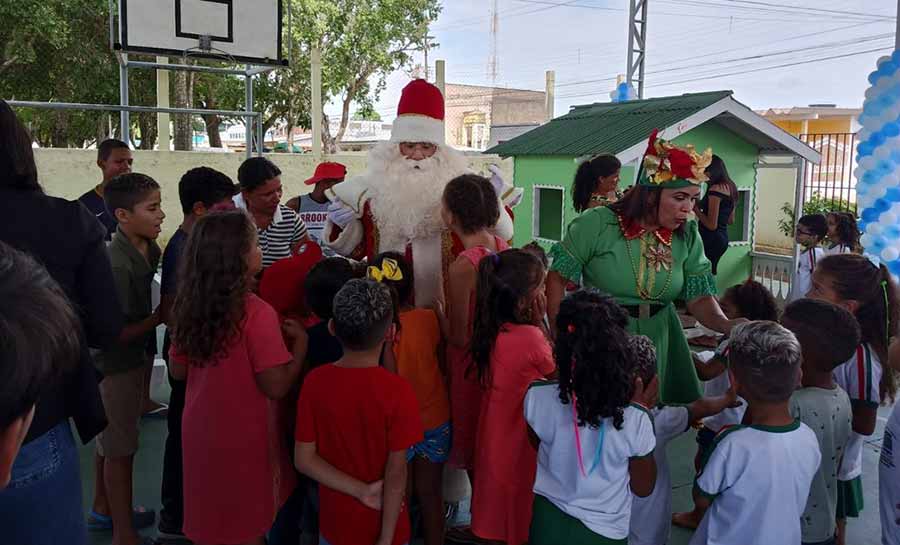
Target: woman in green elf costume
{"x":646,"y":251}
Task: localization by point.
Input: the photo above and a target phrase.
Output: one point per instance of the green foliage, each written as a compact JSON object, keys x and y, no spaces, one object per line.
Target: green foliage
{"x":817,"y":204}
{"x":58,"y":50}
{"x":366,"y":112}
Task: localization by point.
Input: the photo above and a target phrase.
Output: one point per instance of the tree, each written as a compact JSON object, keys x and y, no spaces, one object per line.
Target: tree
{"x":361,"y":41}
{"x":366,"y":112}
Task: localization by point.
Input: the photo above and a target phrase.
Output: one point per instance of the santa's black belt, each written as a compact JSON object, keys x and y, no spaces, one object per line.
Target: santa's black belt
{"x":644,"y":310}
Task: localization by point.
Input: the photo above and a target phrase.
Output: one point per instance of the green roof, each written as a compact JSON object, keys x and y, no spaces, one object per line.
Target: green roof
{"x":606,"y":127}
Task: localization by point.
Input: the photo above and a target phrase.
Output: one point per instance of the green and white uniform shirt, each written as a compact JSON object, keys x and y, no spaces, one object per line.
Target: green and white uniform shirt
{"x":758,"y":480}
{"x":860,"y":377}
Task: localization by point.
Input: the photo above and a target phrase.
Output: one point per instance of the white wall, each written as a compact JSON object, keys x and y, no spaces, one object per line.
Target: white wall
{"x":776,"y":186}
{"x":68,"y":173}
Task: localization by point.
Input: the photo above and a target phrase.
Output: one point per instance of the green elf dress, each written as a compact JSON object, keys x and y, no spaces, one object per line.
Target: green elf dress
{"x":646,"y":272}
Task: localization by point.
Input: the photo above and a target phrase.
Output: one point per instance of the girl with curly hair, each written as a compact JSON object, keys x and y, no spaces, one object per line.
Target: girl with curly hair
{"x":843,"y":234}
{"x":594,"y":427}
{"x":227,"y":343}
{"x":509,"y":351}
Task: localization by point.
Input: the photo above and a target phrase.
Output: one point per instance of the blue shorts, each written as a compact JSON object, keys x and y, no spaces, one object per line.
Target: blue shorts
{"x":436,"y":446}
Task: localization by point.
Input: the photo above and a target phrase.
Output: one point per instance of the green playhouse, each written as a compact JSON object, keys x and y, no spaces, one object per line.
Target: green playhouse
{"x":545,"y":159}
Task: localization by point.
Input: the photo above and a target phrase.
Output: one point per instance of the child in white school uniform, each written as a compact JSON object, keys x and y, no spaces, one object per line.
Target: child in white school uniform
{"x":750,"y":300}
{"x":811,"y":230}
{"x":594,"y":429}
{"x":754,"y":482}
{"x":651,"y":516}
{"x":828,"y":335}
{"x":868,"y":291}
{"x":843,"y":234}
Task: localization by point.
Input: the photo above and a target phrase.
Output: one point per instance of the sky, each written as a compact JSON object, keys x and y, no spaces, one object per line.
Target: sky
{"x":760,"y":49}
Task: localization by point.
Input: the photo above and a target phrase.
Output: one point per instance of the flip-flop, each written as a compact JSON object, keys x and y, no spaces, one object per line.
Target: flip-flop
{"x":140,"y":518}
{"x":161,"y":412}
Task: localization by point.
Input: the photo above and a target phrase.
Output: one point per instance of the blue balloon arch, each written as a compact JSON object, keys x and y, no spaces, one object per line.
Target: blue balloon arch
{"x":878,"y":170}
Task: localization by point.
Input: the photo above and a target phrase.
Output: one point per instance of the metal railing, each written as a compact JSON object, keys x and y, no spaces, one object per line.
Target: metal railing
{"x":251,"y":119}
{"x":832,"y":179}
{"x":775,"y":272}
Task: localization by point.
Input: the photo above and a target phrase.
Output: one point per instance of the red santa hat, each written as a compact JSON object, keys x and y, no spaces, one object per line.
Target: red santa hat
{"x":420,"y":114}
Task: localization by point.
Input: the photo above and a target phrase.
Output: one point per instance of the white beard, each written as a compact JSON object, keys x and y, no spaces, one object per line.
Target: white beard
{"x":405,"y":195}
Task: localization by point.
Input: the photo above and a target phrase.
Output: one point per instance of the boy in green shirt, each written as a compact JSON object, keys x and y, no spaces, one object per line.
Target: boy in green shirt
{"x":134,"y":200}
{"x":828,"y":336}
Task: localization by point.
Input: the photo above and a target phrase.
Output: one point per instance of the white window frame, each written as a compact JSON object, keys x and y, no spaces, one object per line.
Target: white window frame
{"x":536,"y":212}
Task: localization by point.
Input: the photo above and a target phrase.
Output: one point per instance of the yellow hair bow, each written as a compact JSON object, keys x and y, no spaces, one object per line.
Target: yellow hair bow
{"x":390,"y":270}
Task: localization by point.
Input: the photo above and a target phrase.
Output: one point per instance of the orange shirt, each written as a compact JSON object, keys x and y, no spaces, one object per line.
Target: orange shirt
{"x":416,"y":351}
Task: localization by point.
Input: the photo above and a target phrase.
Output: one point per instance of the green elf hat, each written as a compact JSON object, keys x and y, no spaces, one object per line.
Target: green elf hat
{"x":669,"y":166}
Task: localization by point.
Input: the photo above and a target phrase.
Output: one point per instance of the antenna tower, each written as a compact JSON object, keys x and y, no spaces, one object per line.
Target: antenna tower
{"x":493,"y":66}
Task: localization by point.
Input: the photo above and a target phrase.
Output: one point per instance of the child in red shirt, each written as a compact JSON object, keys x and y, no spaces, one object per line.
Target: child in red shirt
{"x":355,"y":422}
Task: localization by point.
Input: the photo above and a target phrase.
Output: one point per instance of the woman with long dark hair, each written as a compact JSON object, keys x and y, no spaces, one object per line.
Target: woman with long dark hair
{"x":645,"y":252}
{"x":715,"y":212}
{"x":596,"y":183}
{"x":42,"y":503}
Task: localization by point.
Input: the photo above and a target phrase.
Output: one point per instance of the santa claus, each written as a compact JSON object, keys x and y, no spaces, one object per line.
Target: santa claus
{"x":396,"y":204}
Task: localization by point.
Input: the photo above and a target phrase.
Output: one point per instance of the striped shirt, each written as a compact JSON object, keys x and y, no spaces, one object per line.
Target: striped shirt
{"x":285,"y":231}
{"x":860,"y":377}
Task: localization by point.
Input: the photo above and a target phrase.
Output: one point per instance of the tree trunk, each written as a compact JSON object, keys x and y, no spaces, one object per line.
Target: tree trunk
{"x":213,"y":122}
{"x":148,"y":129}
{"x":58,"y":134}
{"x":328,"y":143}
{"x":345,"y":118}
{"x":184,"y":98}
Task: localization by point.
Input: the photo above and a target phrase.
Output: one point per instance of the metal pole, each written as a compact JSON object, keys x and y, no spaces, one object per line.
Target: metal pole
{"x":316,"y":84}
{"x":440,"y":76}
{"x":124,"y":117}
{"x":248,"y":125}
{"x":550,"y":93}
{"x":162,"y":101}
{"x":260,"y":136}
{"x":799,"y":195}
{"x":897,"y":29}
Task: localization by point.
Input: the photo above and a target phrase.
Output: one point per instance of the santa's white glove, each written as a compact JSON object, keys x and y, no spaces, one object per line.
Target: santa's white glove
{"x":340,"y":214}
{"x":510,"y":196}
{"x":497,"y":179}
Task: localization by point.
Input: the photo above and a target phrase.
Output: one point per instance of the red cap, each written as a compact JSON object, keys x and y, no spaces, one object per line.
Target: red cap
{"x":328,"y":171}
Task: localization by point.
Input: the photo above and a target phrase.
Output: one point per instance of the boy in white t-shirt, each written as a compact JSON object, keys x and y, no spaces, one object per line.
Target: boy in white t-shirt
{"x":889,"y":481}
{"x":651,"y":517}
{"x":755,"y":481}
{"x":828,"y":335}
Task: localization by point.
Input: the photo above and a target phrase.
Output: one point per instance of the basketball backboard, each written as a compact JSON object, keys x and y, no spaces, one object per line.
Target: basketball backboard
{"x":248,"y":31}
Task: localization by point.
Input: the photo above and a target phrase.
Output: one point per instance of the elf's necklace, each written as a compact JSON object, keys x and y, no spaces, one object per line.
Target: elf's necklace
{"x":655,"y":256}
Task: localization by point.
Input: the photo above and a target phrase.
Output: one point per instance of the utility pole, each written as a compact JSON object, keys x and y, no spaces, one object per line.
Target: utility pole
{"x":550,"y":93}
{"x":637,"y":44}
{"x":493,"y":67}
{"x":316,"y":84}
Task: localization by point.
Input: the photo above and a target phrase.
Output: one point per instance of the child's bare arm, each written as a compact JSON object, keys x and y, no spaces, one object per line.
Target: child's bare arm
{"x":394,"y":489}
{"x":710,"y":406}
{"x":388,"y":358}
{"x":276,"y":382}
{"x":311,"y":464}
{"x":460,"y":288}
{"x":643,"y":475}
{"x":709,"y":370}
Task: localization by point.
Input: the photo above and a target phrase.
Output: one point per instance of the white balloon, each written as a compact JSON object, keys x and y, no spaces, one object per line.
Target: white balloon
{"x":890,"y":253}
{"x":882,"y":60}
{"x":882,"y":84}
{"x":895,"y":208}
{"x":870,"y":92}
{"x":866,"y":240}
{"x":887,"y":218}
{"x":891,"y":180}
{"x":867,"y":163}
{"x":877,"y":192}
{"x":882,"y":152}
{"x":875,"y":229}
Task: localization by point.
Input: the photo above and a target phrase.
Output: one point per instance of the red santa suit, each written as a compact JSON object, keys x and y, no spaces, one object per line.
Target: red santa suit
{"x":396,"y":203}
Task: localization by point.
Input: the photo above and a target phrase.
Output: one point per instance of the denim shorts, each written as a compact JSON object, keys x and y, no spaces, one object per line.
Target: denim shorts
{"x":42,"y":503}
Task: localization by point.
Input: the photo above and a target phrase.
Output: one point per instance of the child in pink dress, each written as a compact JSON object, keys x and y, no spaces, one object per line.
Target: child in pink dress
{"x":227,"y":343}
{"x":510,"y":351}
{"x":470,"y":208}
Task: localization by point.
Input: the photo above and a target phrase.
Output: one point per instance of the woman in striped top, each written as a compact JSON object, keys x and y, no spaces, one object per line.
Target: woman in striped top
{"x":280,"y":229}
